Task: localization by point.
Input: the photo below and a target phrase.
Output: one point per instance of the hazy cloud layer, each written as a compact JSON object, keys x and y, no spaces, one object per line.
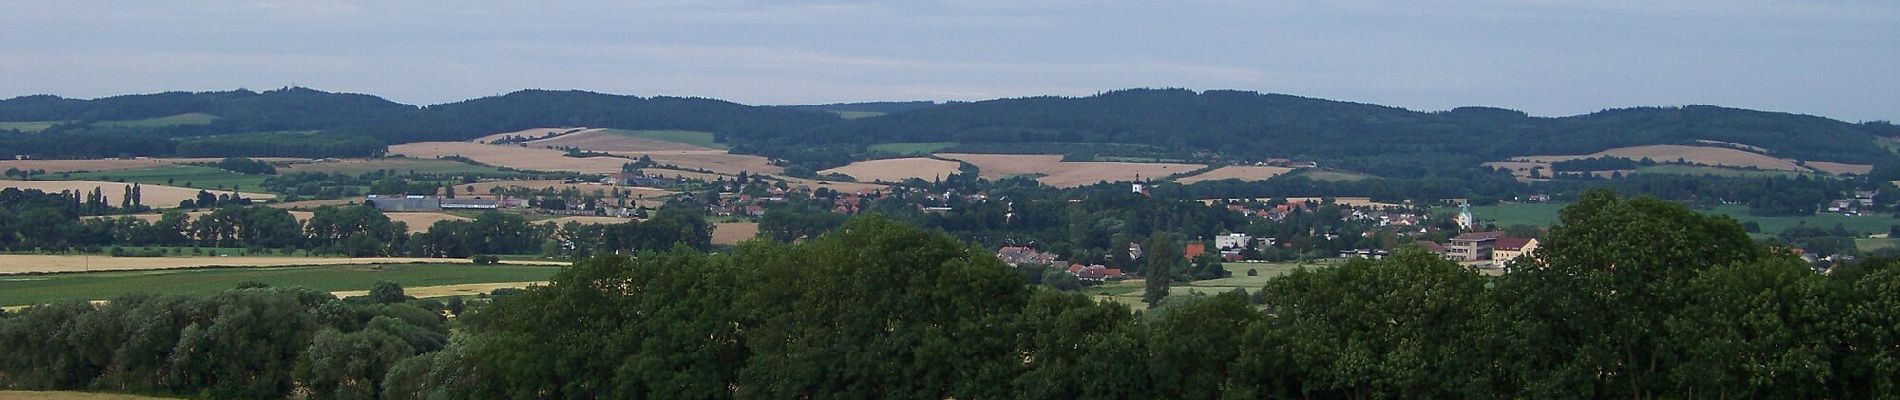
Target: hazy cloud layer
{"x":1554,"y":57}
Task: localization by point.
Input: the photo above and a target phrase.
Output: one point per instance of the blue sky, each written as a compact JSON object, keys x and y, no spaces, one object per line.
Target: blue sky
{"x":1552,"y":57}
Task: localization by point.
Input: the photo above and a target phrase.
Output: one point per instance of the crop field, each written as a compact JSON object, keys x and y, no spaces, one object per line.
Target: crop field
{"x":1713,"y":156}
{"x":417,"y":222}
{"x":28,"y":126}
{"x":59,"y":166}
{"x":731,"y":233}
{"x":896,"y":169}
{"x":357,"y":166}
{"x":155,"y":196}
{"x":911,"y":148}
{"x":160,"y":122}
{"x":1057,"y":173}
{"x":1840,"y":168}
{"x":191,"y":176}
{"x":35,"y":289}
{"x":1545,"y":214}
{"x":526,"y":158}
{"x":1244,"y":173}
{"x":612,"y":140}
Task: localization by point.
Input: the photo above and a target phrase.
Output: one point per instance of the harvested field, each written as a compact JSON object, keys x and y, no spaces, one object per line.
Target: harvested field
{"x":1840,"y":168}
{"x":155,"y":196}
{"x":34,"y":263}
{"x":896,"y":169}
{"x":419,"y":222}
{"x":1666,"y":153}
{"x":527,"y":133}
{"x":534,"y":159}
{"x":1245,"y":173}
{"x":731,"y":233}
{"x":611,"y":140}
{"x":468,"y":289}
{"x":1067,"y":174}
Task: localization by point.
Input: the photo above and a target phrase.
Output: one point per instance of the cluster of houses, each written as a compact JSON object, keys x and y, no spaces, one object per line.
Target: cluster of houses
{"x":1024,"y":255}
{"x":1863,"y":199}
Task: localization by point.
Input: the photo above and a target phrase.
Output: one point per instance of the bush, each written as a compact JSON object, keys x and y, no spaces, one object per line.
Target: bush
{"x":1253,"y":272}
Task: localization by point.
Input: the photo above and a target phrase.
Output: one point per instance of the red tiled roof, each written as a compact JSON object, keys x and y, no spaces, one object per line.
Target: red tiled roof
{"x":1195,"y":250}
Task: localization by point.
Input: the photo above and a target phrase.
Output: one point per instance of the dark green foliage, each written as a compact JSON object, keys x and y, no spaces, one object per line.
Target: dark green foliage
{"x":1161,"y":260}
{"x":1594,"y":164}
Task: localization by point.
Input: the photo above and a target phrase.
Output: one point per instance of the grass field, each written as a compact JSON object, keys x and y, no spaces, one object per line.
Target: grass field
{"x":1545,"y":214}
{"x":1697,"y":170}
{"x":696,"y":138}
{"x":1129,"y":292}
{"x":28,"y":126}
{"x":1059,"y":173}
{"x":1331,"y":176}
{"x":34,"y":289}
{"x":175,"y":120}
{"x":191,"y":176}
{"x":1244,"y":173}
{"x":1869,"y":245}
{"x":896,"y":169}
{"x":910,"y":148}
{"x":427,"y":166}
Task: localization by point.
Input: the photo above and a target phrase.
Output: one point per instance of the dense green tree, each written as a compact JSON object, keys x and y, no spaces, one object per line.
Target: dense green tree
{"x":352,"y":365}
{"x":1161,"y":260}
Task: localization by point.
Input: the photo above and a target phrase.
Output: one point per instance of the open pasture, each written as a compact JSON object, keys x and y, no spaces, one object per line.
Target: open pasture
{"x":1244,"y":173}
{"x":155,"y":196}
{"x":191,"y":176}
{"x":1055,"y":172}
{"x":896,"y":169}
{"x":36,"y":289}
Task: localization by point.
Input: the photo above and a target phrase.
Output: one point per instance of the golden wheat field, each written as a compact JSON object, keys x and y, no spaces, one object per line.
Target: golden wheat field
{"x":113,"y":164}
{"x":1666,"y":153}
{"x":155,"y":196}
{"x":609,"y":141}
{"x":731,"y":233}
{"x":512,"y":156}
{"x":527,"y":133}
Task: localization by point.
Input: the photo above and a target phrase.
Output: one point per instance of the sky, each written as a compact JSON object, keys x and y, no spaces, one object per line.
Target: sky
{"x":1553,"y":57}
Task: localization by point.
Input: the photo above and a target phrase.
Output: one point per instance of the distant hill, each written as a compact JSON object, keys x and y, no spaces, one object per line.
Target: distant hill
{"x":1154,"y":123}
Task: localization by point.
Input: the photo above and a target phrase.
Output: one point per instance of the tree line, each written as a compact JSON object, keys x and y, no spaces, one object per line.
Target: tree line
{"x":1628,"y":297}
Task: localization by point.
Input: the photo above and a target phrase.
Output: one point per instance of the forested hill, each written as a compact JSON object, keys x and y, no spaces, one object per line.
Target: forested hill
{"x":1251,"y":124}
{"x":1163,"y":123}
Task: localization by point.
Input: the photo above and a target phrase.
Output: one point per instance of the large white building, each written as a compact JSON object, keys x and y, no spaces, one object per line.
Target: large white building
{"x":1232,"y":241}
